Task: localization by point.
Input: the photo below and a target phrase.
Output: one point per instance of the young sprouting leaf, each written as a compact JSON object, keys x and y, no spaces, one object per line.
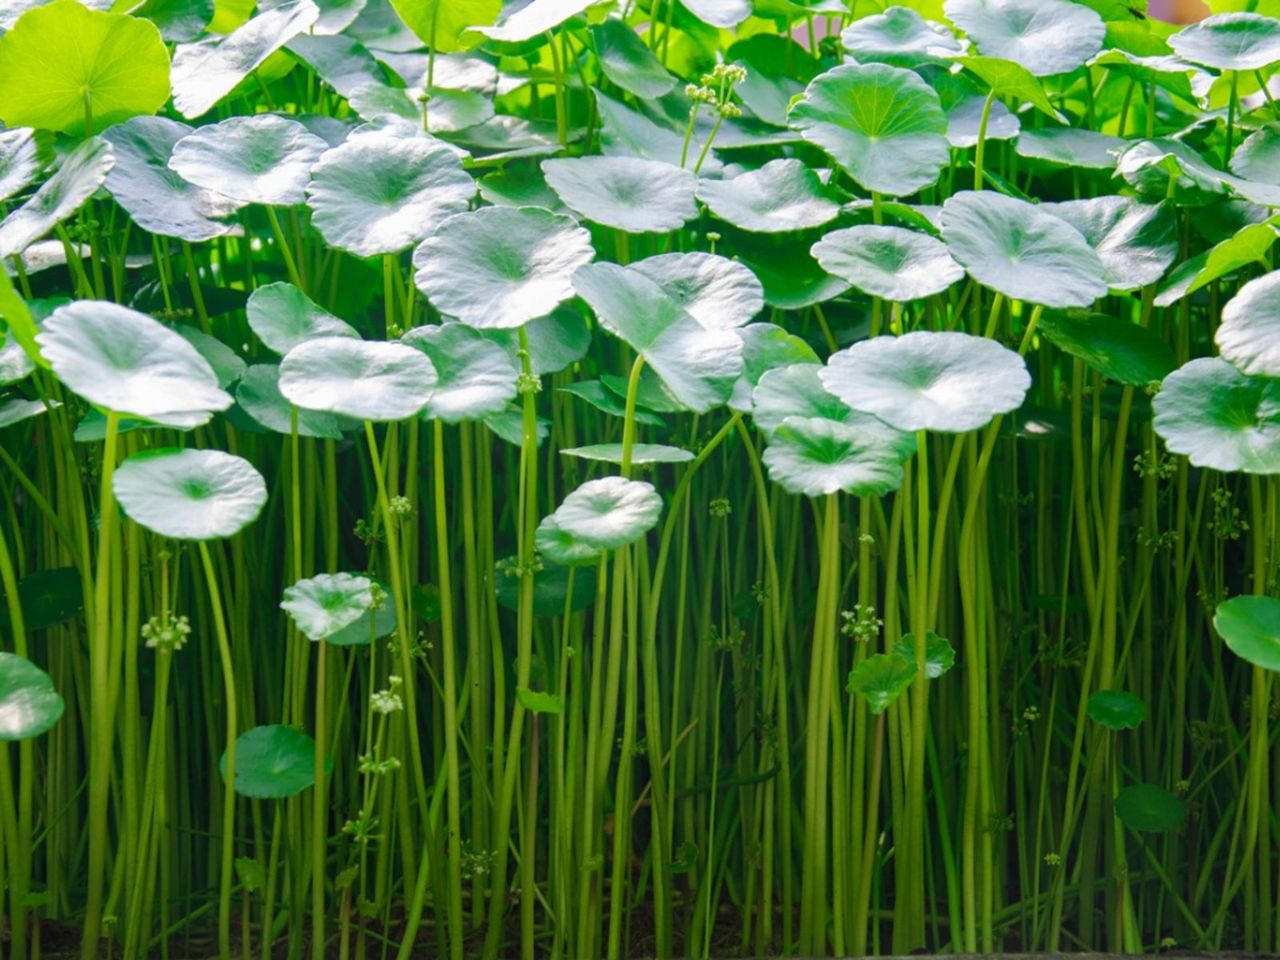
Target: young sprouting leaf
{"x":283,"y":316}
{"x":627,"y":61}
{"x":1219,"y":417}
{"x":781,"y":196}
{"x":326,"y":603}
{"x":273,"y":762}
{"x":155,"y":197}
{"x":190,"y":494}
{"x":124,"y":361}
{"x":923,"y":380}
{"x":387,"y":187}
{"x":23,"y":154}
{"x":251,"y":874}
{"x":626,"y":193}
{"x":1250,"y":627}
{"x":1149,"y":808}
{"x":29,"y":706}
{"x":717,"y":292}
{"x":1009,"y":79}
{"x":899,"y":37}
{"x":1136,"y":242}
{"x":881,"y":678}
{"x":939,"y":654}
{"x":697,"y":365}
{"x":1230,"y":41}
{"x":1117,"y":348}
{"x":263,"y":158}
{"x":1019,"y":250}
{"x":882,"y":124}
{"x":65,"y":67}
{"x":360,"y":379}
{"x":206,"y":71}
{"x":1249,"y":334}
{"x":888,"y":262}
{"x":1116,"y":709}
{"x":539,"y":701}
{"x":814,"y":456}
{"x":259,"y":396}
{"x":501,"y":266}
{"x":641,"y":453}
{"x":1044,"y":36}
{"x":444,"y":24}
{"x":533,"y":20}
{"x":77,"y":178}
{"x":610,"y":512}
{"x":475,"y":375}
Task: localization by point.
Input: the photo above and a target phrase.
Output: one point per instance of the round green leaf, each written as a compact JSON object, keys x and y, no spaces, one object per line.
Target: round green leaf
{"x":951,"y":382}
{"x":258,"y":394}
{"x":641,"y":453}
{"x":206,"y":71}
{"x":1136,"y":242}
{"x":155,"y":197}
{"x":939,"y":654}
{"x":124,"y":361}
{"x":1045,"y":36}
{"x":1116,"y":709}
{"x":1120,"y":350}
{"x":792,"y":279}
{"x":1219,"y":417}
{"x":64,"y":65}
{"x":795,"y":391}
{"x":964,"y":122}
{"x":1016,"y":249}
{"x":326,"y":603}
{"x":386,"y":188}
{"x":261,"y":158}
{"x":363,"y":380}
{"x":1149,"y":808}
{"x":273,"y":762}
{"x":698,"y":366}
{"x":445,"y":23}
{"x":476,"y":375}
{"x":717,"y":292}
{"x":226,"y":363}
{"x":1230,"y":41}
{"x":1249,"y":335}
{"x":23,"y":154}
{"x":373,"y":624}
{"x":1258,"y":158}
{"x":1250,"y":627}
{"x":782,"y":195}
{"x":560,"y":547}
{"x":48,"y":598}
{"x":814,"y":457}
{"x":1073,"y":147}
{"x":883,"y":124}
{"x":888,"y":262}
{"x":15,"y":364}
{"x":29,"y":705}
{"x":283,"y":316}
{"x":899,"y":37}
{"x":190,"y":494}
{"x":77,"y":178}
{"x":766,"y":347}
{"x":626,"y":193}
{"x":881,"y":678}
{"x":610,"y":512}
{"x":501,"y":266}
{"x":551,"y":588}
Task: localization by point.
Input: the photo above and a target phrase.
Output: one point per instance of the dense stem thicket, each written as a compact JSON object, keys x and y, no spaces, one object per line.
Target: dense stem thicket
{"x":466,"y":492}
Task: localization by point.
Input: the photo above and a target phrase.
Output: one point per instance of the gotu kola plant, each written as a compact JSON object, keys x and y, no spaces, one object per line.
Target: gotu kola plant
{"x":669,"y":477}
